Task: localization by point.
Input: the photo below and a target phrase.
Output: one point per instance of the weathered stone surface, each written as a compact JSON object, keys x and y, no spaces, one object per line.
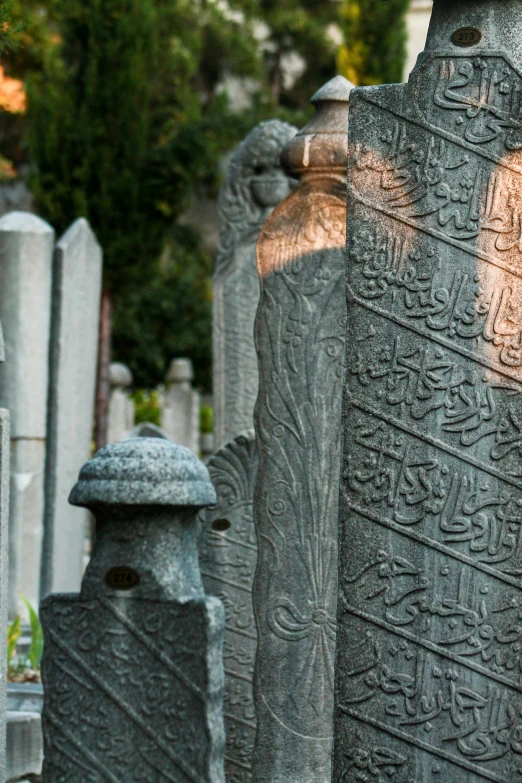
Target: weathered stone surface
{"x":26,"y":250}
{"x":4,"y":568}
{"x":300,"y":331}
{"x":228,"y":554}
{"x":148,"y":430}
{"x":132,"y":666}
{"x":180,"y":406}
{"x":255,"y":184}
{"x":75,"y":314}
{"x":24,"y":744}
{"x":429,"y":655}
{"x":121,"y":406}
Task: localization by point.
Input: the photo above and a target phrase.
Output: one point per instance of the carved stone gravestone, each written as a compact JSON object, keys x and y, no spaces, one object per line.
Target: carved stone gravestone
{"x":228,"y":554}
{"x":255,"y":184}
{"x":75,"y":315}
{"x":26,"y":255}
{"x":4,"y":548}
{"x":180,"y":405}
{"x":300,"y":330}
{"x":429,"y":672}
{"x":132,"y":666}
{"x":121,"y":404}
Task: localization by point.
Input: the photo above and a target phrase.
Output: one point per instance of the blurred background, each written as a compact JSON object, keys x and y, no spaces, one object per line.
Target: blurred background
{"x":126,"y":112}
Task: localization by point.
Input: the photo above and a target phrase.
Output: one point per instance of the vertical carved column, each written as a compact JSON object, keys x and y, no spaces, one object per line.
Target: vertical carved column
{"x":132,"y":667}
{"x":429,"y":685}
{"x":228,"y":556}
{"x":255,"y":184}
{"x":300,"y":331}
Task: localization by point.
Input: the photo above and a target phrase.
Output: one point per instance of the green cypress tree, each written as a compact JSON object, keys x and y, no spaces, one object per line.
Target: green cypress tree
{"x":374,"y":49}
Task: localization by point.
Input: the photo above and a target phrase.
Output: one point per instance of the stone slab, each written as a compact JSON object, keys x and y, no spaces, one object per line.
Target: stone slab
{"x":24,"y":744}
{"x":428,"y":669}
{"x":26,"y":247}
{"x":228,"y":556}
{"x":4,"y":553}
{"x":77,"y":279}
{"x":300,"y":329}
{"x":255,"y":184}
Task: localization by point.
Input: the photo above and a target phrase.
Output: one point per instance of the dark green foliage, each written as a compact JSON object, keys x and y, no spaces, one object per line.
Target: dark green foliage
{"x":301,"y":27}
{"x":170,"y":316}
{"x":374,"y":49}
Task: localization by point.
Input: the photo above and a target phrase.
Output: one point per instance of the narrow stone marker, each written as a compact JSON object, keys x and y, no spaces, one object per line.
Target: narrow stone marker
{"x":429,"y":683}
{"x":254,"y":186}
{"x":75,"y":315}
{"x":181,"y":405}
{"x":132,"y":667}
{"x":300,"y":331}
{"x":26,"y":253}
{"x":4,"y":563}
{"x":121,"y":405}
{"x":228,"y":556}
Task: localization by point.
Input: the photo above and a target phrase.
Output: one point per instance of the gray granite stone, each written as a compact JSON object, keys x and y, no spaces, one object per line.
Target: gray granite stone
{"x":429,"y":659}
{"x":4,"y":568}
{"x":121,"y":406}
{"x":26,"y":250}
{"x":75,"y":315}
{"x":148,"y":430}
{"x":300,"y":329}
{"x":136,"y":658}
{"x":228,"y":554}
{"x":24,"y":744}
{"x":180,"y":405}
{"x":255,"y":184}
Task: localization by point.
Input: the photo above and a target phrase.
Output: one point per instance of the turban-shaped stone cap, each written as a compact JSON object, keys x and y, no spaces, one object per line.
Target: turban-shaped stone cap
{"x":144,"y":472}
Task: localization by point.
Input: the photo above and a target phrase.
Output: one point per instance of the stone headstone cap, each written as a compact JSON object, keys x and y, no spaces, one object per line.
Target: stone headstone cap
{"x":322,"y":145}
{"x":120,"y":375}
{"x":180,"y":370}
{"x":144,"y":472}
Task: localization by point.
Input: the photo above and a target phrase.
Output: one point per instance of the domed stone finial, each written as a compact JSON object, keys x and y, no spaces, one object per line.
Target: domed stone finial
{"x":120,"y":375}
{"x":322,"y":145}
{"x":180,"y":371}
{"x":144,"y":472}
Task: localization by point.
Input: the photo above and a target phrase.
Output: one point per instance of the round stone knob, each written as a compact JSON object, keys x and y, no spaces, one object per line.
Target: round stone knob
{"x":180,"y":371}
{"x":120,"y":375}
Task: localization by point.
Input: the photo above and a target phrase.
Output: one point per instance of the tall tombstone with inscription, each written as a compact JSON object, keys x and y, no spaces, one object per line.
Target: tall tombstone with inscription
{"x":228,"y":555}
{"x":75,"y":308}
{"x":300,"y":329}
{"x":255,"y":184}
{"x":26,"y":257}
{"x":132,"y":667}
{"x":429,"y":663}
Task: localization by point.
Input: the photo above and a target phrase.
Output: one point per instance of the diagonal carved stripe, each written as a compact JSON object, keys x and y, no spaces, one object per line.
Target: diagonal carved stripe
{"x":146,"y":641}
{"x":126,"y":708}
{"x":100,"y":767}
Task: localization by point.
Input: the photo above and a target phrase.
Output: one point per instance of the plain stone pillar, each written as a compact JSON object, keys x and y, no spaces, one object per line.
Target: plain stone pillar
{"x":428,"y":685}
{"x":255,"y":184}
{"x":132,"y":668}
{"x":121,"y":406}
{"x":300,"y":330}
{"x":228,"y":556}
{"x":4,"y":567}
{"x":77,"y":279}
{"x":26,"y":253}
{"x":180,"y":406}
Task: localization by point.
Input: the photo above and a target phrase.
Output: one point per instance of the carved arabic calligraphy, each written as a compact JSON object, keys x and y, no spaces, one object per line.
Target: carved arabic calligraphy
{"x":423,"y":175}
{"x":466,"y":308}
{"x":486,"y":93}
